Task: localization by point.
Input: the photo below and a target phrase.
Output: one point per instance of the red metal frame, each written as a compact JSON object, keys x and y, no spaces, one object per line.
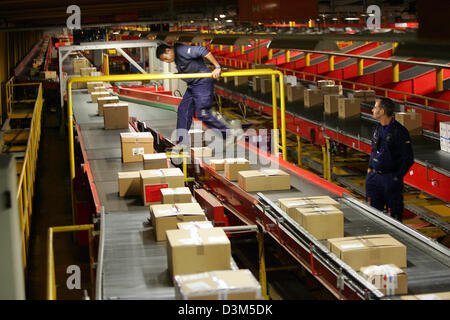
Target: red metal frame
{"x":215,"y":211}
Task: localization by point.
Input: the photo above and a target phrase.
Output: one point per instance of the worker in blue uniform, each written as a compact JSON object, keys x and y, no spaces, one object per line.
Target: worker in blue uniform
{"x":200,"y":91}
{"x":390,"y":159}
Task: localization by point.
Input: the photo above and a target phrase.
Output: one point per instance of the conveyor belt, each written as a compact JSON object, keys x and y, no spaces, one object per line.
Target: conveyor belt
{"x":373,"y":52}
{"x":134,"y":266}
{"x":416,"y":71}
{"x":426,"y":150}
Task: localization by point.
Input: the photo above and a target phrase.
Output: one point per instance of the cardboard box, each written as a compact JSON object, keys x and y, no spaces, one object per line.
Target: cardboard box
{"x":240,"y":81}
{"x":218,"y":285}
{"x":323,"y":83}
{"x":129,"y":183}
{"x":289,"y":205}
{"x":428,"y":296}
{"x":152,"y":181}
{"x":349,"y":108}
{"x":331,"y":103}
{"x":444,"y":135}
{"x":49,"y":75}
{"x":257,"y":83}
{"x":266,"y":86}
{"x":96,"y":95}
{"x":369,"y":250}
{"x":166,"y":216}
{"x":200,"y":251}
{"x":176,"y":195}
{"x":264,"y":180}
{"x":217,"y":164}
{"x":134,"y":145}
{"x":101,"y":101}
{"x":313,"y":98}
{"x":331,"y":89}
{"x":411,"y":121}
{"x":233,"y":166}
{"x":115,"y":115}
{"x":295,"y":93}
{"x":197,"y":137}
{"x":155,"y":160}
{"x":322,"y":222}
{"x":365,"y":95}
{"x":195,"y":225}
{"x":388,"y":278}
{"x":79,"y":63}
{"x":96,"y":74}
{"x":92,"y":85}
{"x":200,"y":152}
{"x":86,"y":72}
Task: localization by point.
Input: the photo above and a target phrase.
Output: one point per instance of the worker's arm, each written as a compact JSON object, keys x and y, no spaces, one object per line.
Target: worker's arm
{"x":217,"y":70}
{"x":406,"y":153}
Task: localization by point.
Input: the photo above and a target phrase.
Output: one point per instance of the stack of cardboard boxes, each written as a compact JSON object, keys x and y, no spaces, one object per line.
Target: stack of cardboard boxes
{"x":152,"y":181}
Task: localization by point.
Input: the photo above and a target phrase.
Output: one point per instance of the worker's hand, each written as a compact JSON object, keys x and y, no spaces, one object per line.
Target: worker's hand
{"x":216,"y":73}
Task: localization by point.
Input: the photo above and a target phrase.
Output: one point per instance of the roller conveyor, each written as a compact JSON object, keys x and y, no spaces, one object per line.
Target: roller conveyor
{"x":134,"y":266}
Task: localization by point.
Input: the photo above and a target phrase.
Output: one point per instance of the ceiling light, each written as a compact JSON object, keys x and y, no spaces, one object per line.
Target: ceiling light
{"x":216,"y":19}
{"x":221,"y":16}
{"x":229,"y":20}
{"x":353,"y":19}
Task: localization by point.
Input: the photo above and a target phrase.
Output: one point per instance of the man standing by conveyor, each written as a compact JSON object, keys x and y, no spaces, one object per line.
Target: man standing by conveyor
{"x":391,"y":158}
{"x":200,"y":91}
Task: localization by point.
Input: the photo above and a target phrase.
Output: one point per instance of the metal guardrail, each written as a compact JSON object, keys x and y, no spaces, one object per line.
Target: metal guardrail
{"x":25,"y":186}
{"x":51,"y":279}
{"x":10,"y":95}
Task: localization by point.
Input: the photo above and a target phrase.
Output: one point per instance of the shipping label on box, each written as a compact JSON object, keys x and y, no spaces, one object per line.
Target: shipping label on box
{"x":155,"y":160}
{"x":264,"y":180}
{"x":176,"y":195}
{"x":166,"y":216}
{"x":313,"y":98}
{"x":369,"y":250}
{"x":115,"y":116}
{"x":233,"y":166}
{"x":134,"y":145}
{"x":388,"y":278}
{"x":129,"y":183}
{"x":195,"y":251}
{"x":152,"y":181}
{"x":218,"y":285}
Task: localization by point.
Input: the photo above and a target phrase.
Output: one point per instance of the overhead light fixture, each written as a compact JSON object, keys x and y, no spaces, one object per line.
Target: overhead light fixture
{"x":352,"y":19}
{"x":192,"y":21}
{"x":229,"y":20}
{"x":216,"y":19}
{"x":221,"y":16}
{"x":335,"y":19}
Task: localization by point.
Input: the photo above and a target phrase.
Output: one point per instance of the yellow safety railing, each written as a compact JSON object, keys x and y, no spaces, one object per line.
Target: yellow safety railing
{"x":51,"y":278}
{"x":9,"y":86}
{"x":25,"y":187}
{"x":232,"y":62}
{"x":144,"y":77}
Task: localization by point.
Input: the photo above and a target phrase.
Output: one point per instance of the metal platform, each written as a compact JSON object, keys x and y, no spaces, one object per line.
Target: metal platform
{"x":134,"y":266}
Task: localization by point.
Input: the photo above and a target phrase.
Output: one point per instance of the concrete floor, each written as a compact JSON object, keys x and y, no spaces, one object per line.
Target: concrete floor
{"x":52,"y":207}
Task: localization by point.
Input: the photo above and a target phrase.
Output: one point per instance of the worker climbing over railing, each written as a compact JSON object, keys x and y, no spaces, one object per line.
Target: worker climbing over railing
{"x":199,"y":95}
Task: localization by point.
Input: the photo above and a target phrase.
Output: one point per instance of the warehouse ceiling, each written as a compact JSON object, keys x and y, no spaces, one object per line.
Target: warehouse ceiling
{"x":46,"y":13}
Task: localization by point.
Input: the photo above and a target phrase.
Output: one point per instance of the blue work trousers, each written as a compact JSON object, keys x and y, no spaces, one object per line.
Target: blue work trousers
{"x":198,"y":98}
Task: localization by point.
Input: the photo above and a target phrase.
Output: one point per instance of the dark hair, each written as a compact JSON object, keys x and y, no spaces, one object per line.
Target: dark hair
{"x":161,"y":49}
{"x":387,"y":105}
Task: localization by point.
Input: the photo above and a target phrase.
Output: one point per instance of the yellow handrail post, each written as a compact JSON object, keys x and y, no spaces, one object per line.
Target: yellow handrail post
{"x":106,"y":64}
{"x":262,"y":265}
{"x":242,"y":50}
{"x":360,"y":65}
{"x":275,"y":115}
{"x":439,"y":79}
{"x":270,"y":54}
{"x":330,"y":63}
{"x":307,"y":59}
{"x":299,"y":151}
{"x":395,"y":72}
{"x":283,"y":116}
{"x":288,"y":56}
